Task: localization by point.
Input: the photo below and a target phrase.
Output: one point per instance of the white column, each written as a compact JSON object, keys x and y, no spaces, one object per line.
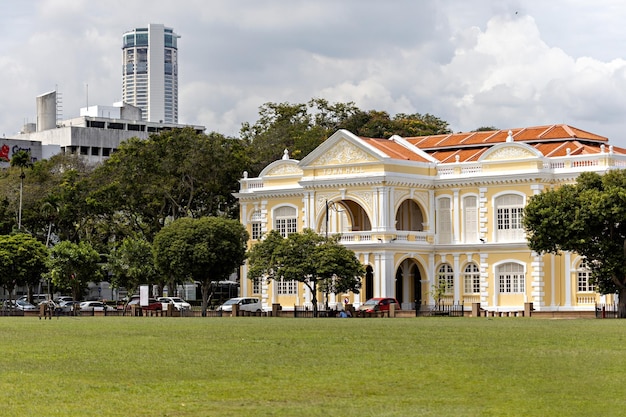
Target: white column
{"x":567,"y":276}
{"x":431,"y":277}
{"x":306,"y":211}
{"x":484,"y":280}
{"x":457,"y":279}
{"x":431,"y":211}
{"x":457,"y":217}
{"x":389,"y":276}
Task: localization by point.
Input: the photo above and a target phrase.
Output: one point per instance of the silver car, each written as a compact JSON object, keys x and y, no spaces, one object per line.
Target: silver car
{"x":245,"y":304}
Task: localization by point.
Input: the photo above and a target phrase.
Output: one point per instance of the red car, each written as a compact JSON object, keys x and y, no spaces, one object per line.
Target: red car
{"x":379,"y":304}
{"x":153,"y":304}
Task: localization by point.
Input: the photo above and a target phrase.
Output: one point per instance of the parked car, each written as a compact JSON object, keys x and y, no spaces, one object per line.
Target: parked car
{"x":37,"y":298}
{"x":63,"y":299}
{"x":179,"y":303}
{"x":66,"y":306}
{"x":245,"y":304}
{"x":379,"y":304}
{"x":153,"y":303}
{"x":94,"y":306}
{"x":25,"y":306}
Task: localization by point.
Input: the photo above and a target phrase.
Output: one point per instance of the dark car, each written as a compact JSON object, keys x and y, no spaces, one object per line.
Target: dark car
{"x":379,"y":304}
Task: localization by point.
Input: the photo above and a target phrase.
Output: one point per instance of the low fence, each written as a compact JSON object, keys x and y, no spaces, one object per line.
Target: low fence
{"x":607,"y":311}
{"x":600,"y":311}
{"x":442,"y":310}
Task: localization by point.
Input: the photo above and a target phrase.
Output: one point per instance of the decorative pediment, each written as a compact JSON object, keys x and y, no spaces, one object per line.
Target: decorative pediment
{"x":343,"y":153}
{"x":507,"y":152}
{"x":282,"y":167}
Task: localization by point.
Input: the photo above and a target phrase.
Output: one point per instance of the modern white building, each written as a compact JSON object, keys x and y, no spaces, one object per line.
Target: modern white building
{"x":150,"y":72}
{"x":95,"y":134}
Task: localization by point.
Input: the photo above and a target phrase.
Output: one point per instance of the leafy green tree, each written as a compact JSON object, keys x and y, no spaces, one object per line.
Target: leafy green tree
{"x":22,"y":261}
{"x":588,"y":218}
{"x":73,"y":266}
{"x":204,"y":250}
{"x":58,"y":183}
{"x":174,"y":174}
{"x":318,"y":262}
{"x":131,"y":264}
{"x":301,"y":128}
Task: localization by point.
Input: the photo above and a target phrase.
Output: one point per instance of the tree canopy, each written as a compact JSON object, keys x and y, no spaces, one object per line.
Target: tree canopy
{"x":131,"y":264}
{"x":203,"y":250}
{"x":300,"y":128}
{"x":22,"y":261}
{"x":173,"y":174}
{"x":73,"y":266}
{"x":588,"y":218}
{"x":318,"y":262}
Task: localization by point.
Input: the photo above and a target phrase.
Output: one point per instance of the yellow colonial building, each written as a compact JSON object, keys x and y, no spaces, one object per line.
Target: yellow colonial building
{"x":423,"y":211}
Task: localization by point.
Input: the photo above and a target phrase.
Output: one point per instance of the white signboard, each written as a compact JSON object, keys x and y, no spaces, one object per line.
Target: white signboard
{"x":144,"y":293}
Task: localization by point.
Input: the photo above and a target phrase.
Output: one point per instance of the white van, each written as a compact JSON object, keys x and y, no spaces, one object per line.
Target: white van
{"x":245,"y":304}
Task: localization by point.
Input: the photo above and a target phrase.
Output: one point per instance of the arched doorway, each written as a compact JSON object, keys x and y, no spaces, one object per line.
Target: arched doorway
{"x":408,"y":283}
{"x":416,"y":279}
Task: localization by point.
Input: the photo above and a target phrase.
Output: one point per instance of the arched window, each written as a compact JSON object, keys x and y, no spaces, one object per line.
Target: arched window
{"x":584,"y":278}
{"x":470,"y":219}
{"x":444,"y":220}
{"x":286,"y":220}
{"x":409,"y":217}
{"x":446,"y":277}
{"x":471,"y":279}
{"x":511,"y":278}
{"x":509,"y":210}
{"x":256,"y":223}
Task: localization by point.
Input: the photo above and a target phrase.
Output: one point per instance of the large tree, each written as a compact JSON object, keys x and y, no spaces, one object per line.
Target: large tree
{"x":320,"y":263}
{"x":54,"y":199}
{"x":301,"y":128}
{"x":204,"y":250}
{"x":22,"y":261}
{"x":173,"y":174}
{"x":73,"y":266}
{"x":131,"y":264}
{"x":588,"y":218}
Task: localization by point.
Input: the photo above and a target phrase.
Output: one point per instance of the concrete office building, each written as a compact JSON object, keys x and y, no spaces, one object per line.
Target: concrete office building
{"x":150,"y":72}
{"x":95,"y":134}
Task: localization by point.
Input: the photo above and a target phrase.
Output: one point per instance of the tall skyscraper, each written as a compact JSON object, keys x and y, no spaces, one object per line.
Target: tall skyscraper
{"x":150,"y":72}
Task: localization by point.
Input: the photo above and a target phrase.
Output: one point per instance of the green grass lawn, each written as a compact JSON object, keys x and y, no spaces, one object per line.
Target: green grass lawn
{"x":258,"y":366}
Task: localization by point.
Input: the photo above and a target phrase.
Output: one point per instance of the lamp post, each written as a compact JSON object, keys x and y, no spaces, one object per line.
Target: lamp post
{"x":326,"y":219}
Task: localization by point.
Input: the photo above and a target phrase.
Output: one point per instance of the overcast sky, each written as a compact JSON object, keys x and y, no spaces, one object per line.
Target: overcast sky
{"x":476,"y":63}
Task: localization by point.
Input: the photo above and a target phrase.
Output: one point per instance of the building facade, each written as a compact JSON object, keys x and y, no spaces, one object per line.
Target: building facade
{"x":95,"y":134}
{"x":150,"y":72}
{"x":432,"y":211}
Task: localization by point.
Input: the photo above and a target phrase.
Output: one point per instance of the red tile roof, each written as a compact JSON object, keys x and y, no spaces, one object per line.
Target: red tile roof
{"x":550,"y":141}
{"x":394,"y":150}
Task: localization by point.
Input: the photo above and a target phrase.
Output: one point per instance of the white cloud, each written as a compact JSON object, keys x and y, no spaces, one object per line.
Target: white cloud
{"x":507,"y":64}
